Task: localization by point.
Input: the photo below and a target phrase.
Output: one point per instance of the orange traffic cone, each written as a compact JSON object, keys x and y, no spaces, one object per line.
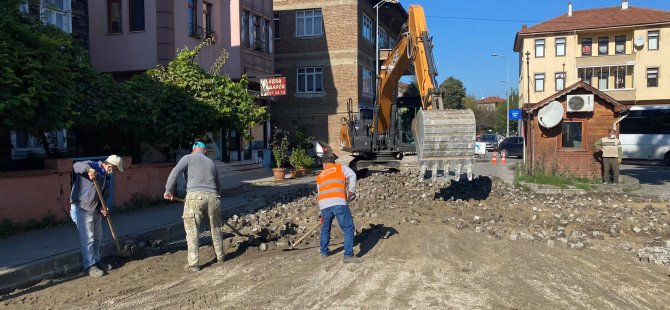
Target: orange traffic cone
{"x":494,"y":160}
{"x":503,"y":158}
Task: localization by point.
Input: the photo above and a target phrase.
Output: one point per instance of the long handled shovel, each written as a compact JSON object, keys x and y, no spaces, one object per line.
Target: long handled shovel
{"x":292,"y":245}
{"x":119,"y":251}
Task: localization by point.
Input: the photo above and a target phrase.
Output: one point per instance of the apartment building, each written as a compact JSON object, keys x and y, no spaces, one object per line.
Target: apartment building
{"x":130,"y":36}
{"x":623,"y":51}
{"x":326,"y":51}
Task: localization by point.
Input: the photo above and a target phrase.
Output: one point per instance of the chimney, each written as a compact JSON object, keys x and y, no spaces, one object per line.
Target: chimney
{"x":570,"y":8}
{"x":624,"y":4}
{"x":524,"y":27}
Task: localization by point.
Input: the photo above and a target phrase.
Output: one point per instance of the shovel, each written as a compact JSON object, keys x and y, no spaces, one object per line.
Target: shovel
{"x":292,"y":245}
{"x":119,"y":251}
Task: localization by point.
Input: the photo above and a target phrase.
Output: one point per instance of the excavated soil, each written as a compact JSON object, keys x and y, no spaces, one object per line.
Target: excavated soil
{"x":426,"y":245}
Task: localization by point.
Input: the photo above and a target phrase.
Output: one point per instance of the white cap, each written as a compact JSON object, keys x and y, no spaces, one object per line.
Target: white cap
{"x":116,"y":161}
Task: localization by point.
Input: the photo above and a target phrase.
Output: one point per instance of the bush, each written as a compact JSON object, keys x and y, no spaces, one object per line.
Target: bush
{"x":280,"y":147}
{"x":298,"y":158}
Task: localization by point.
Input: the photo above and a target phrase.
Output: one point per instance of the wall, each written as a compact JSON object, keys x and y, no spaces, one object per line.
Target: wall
{"x":546,"y":143}
{"x":35,"y":194}
{"x":126,"y":51}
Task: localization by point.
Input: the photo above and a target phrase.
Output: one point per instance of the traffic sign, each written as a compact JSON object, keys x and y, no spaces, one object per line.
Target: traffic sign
{"x":514,"y":114}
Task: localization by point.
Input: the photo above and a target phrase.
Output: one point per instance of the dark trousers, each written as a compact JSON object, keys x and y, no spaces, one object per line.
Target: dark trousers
{"x":611,"y":165}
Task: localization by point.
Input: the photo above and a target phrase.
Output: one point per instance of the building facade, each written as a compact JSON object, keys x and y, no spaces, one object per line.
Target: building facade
{"x":490,"y":103}
{"x":624,"y":55}
{"x":326,"y":51}
{"x":131,"y":36}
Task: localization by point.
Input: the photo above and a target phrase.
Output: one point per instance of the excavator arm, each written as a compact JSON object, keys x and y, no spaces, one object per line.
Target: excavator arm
{"x":444,"y":138}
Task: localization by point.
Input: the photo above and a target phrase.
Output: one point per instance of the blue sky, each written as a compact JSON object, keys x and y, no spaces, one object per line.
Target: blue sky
{"x":465,"y":35}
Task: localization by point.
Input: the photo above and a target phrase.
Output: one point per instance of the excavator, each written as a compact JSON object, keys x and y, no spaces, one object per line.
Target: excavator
{"x":443,"y":139}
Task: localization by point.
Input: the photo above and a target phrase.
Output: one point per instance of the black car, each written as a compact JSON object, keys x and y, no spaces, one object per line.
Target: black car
{"x":512,"y":146}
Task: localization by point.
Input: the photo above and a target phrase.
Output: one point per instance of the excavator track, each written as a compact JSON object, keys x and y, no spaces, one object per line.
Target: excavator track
{"x":445,"y":141}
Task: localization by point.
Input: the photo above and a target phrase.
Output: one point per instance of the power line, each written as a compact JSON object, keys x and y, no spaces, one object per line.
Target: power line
{"x":484,"y":19}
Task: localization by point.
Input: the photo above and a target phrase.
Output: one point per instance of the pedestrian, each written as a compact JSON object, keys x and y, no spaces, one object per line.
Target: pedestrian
{"x":202,"y":200}
{"x":86,"y":211}
{"x":336,"y":186}
{"x":611,"y":155}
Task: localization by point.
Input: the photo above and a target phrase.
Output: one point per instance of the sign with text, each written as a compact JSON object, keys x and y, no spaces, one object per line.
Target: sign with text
{"x":514,"y":114}
{"x":273,"y":86}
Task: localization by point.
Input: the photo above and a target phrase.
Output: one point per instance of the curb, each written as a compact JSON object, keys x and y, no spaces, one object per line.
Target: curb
{"x":69,"y":262}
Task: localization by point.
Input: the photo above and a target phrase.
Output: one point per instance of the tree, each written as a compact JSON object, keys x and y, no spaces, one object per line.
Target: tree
{"x":453,"y":93}
{"x":412,"y":89}
{"x":41,"y":75}
{"x":181,"y":102}
{"x":485,"y":119}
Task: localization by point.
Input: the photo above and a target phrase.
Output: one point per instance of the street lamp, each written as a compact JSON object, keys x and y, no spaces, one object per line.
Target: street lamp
{"x":376,"y":7}
{"x":506,"y":91}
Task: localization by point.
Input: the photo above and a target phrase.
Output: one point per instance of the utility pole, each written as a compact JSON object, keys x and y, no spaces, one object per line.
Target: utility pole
{"x":527,"y":101}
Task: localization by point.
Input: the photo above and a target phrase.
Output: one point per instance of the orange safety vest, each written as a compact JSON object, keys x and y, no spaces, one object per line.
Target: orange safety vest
{"x":331,"y":182}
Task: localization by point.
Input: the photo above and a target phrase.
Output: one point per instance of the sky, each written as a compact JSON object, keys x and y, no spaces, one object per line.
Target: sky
{"x":466,"y":33}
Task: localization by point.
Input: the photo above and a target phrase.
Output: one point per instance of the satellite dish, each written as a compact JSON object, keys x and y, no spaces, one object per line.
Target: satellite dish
{"x":551,"y":114}
{"x":638,"y":41}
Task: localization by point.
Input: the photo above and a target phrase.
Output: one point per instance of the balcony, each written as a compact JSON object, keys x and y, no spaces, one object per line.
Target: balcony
{"x":606,"y":60}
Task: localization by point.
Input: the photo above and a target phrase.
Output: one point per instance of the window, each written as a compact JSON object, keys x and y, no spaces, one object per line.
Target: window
{"x":586,"y":75}
{"x":391,"y":42}
{"x":245,"y":29}
{"x":367,"y":27}
{"x":572,"y":135}
{"x":620,"y":77}
{"x":652,"y":77}
{"x":539,"y":48}
{"x":653,"y":40}
{"x":603,"y":79}
{"x":560,"y":46}
{"x":603,"y":42}
{"x":308,"y":23}
{"x":275,"y":19}
{"x":267,"y":36}
{"x":310,"y":80}
{"x":368,"y":83}
{"x":23,"y":7}
{"x":192,"y":17}
{"x":560,"y":80}
{"x":57,"y":13}
{"x":586,"y":47}
{"x":620,"y":45}
{"x":136,"y":15}
{"x":114,"y":16}
{"x":256,"y":35}
{"x":383,"y":38}
{"x":539,"y":82}
{"x":207,"y":16}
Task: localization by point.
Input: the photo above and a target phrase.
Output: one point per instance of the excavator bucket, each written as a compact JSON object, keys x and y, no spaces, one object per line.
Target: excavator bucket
{"x":445,"y":140}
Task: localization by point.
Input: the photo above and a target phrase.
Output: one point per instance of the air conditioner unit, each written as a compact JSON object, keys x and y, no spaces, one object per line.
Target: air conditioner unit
{"x":580,"y":103}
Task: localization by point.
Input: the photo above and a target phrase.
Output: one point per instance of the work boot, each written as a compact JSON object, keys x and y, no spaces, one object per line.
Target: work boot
{"x":352,"y":259}
{"x":95,"y":272}
{"x":104,"y":267}
{"x":194,"y":268}
{"x":323,"y":255}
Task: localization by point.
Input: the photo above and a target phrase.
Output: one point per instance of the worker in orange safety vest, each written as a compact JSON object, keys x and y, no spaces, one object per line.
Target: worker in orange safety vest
{"x":337,"y":186}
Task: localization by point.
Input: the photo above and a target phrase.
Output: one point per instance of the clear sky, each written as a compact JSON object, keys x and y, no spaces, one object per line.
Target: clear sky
{"x":467,"y":32}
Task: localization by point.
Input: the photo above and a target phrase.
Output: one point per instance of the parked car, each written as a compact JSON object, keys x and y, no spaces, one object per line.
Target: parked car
{"x":512,"y":146}
{"x":491,"y":141}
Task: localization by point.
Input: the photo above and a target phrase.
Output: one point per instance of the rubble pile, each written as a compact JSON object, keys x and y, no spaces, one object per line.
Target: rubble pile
{"x":485,"y":205}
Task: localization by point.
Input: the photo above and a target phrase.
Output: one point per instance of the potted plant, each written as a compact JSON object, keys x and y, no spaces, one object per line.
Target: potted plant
{"x":279,"y":151}
{"x":297,"y":160}
{"x":307,"y":164}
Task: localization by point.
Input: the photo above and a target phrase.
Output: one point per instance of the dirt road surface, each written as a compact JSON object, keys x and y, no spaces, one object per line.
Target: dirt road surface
{"x":429,"y":246}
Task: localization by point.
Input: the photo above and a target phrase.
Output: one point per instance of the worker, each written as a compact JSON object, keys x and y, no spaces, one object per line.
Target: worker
{"x":611,"y":155}
{"x":336,"y":186}
{"x":86,"y":211}
{"x":202,"y":199}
